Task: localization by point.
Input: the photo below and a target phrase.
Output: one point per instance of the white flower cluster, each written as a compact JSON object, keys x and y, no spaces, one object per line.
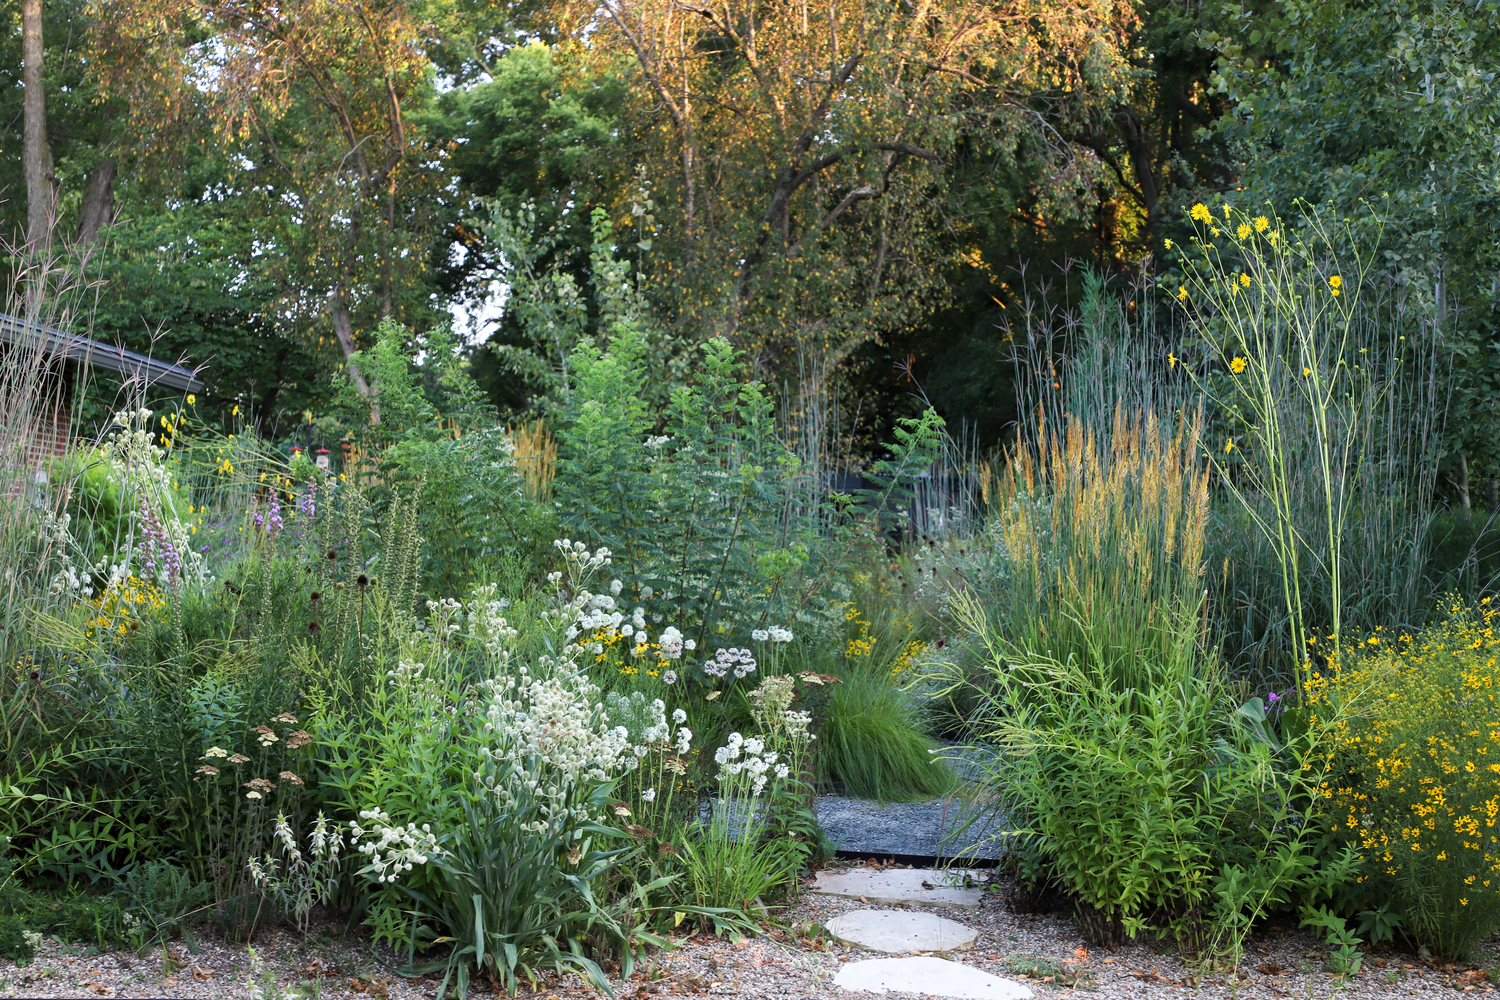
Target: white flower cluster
{"x":740,"y":661}
{"x":672,"y":643}
{"x":751,"y":758}
{"x":486,"y":624}
{"x":646,"y":723}
{"x":773,"y":634}
{"x":578,"y":554}
{"x":397,"y":849}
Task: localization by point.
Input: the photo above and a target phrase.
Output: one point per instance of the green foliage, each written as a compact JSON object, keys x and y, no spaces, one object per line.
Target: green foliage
{"x":1412,"y":138}
{"x":1152,"y":804}
{"x":161,"y":896}
{"x":27,"y":916}
{"x":705,"y":504}
{"x":440,"y":438}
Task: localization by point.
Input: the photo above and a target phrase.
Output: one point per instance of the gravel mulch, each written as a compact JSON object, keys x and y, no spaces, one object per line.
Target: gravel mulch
{"x":792,"y":962}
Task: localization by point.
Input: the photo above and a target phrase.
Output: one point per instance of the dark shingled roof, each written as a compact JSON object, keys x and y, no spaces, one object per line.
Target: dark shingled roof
{"x":74,"y":347}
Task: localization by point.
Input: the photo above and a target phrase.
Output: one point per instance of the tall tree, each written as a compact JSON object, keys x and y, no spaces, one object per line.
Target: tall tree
{"x":41,"y":196}
{"x":797,"y":152}
{"x":320,"y":97}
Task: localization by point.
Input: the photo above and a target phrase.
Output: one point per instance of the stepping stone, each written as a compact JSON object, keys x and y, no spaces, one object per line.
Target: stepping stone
{"x":900,"y":931}
{"x":920,"y":886}
{"x":931,"y":976}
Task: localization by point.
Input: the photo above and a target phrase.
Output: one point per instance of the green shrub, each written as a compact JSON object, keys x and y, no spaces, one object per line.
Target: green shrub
{"x":27,"y":916}
{"x":162,"y":896}
{"x":1415,"y":791}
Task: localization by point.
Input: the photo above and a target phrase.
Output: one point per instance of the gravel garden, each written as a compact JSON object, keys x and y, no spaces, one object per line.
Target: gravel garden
{"x":1189,"y":691}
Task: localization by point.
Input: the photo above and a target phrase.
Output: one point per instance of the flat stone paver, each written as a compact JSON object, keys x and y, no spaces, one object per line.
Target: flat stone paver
{"x":920,"y":886}
{"x":932,"y":976}
{"x":900,"y":931}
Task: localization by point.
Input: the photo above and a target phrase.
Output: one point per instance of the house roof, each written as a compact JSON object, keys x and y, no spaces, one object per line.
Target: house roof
{"x":75,"y":347}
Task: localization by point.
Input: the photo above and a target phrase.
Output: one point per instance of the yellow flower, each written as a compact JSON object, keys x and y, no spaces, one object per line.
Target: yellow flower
{"x":1226,"y":213}
{"x":1245,"y":280}
{"x":1262,"y":223}
{"x":236,"y":411}
{"x":1238,"y":365}
{"x":1171,"y":361}
{"x":1306,"y":372}
{"x":192,"y":400}
{"x":1182,"y":293}
{"x":1335,"y":282}
{"x":1229,"y":446}
{"x":1200,"y":213}
{"x":1167,"y":244}
{"x":1243,"y":232}
{"x":1214,"y":230}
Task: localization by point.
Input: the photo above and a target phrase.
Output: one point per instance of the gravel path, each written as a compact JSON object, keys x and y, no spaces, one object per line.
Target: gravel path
{"x":792,"y":963}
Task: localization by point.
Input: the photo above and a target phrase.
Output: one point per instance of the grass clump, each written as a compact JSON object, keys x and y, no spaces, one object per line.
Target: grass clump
{"x":873,"y":746}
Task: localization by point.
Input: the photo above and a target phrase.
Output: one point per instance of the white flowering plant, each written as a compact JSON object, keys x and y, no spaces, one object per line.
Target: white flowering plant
{"x":485,"y":804}
{"x":298,"y":879}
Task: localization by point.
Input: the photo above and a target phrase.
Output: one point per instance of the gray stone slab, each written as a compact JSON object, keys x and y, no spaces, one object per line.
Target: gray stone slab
{"x":901,"y":931}
{"x":940,"y":828}
{"x":918,"y":886}
{"x":930,"y":976}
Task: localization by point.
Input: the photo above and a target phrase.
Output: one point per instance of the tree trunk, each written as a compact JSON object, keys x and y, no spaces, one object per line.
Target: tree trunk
{"x":343,"y":328}
{"x":36,"y":156}
{"x":98,"y":207}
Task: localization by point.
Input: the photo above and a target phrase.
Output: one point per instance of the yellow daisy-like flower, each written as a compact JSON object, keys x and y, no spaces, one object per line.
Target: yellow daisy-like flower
{"x":1200,"y":213}
{"x":1214,"y":230}
{"x":1171,"y":361}
{"x":1335,"y":282}
{"x":1229,"y":446}
{"x":1262,"y":224}
{"x":1167,"y":244}
{"x":1226,"y":213}
{"x":192,"y":400}
{"x":236,"y":411}
{"x":1243,"y":231}
{"x":1245,"y":280}
{"x":1238,"y":365}
{"x":1182,"y":293}
{"x":1306,"y":372}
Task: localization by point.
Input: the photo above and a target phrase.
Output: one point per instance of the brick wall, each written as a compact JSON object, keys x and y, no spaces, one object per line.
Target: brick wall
{"x":48,"y":438}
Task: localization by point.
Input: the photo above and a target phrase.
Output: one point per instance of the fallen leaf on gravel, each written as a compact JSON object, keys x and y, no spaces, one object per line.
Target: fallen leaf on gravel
{"x":101,"y":988}
{"x":202,"y":972}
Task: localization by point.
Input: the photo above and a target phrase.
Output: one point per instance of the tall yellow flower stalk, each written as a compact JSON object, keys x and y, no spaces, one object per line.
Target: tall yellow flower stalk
{"x":1276,"y":315}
